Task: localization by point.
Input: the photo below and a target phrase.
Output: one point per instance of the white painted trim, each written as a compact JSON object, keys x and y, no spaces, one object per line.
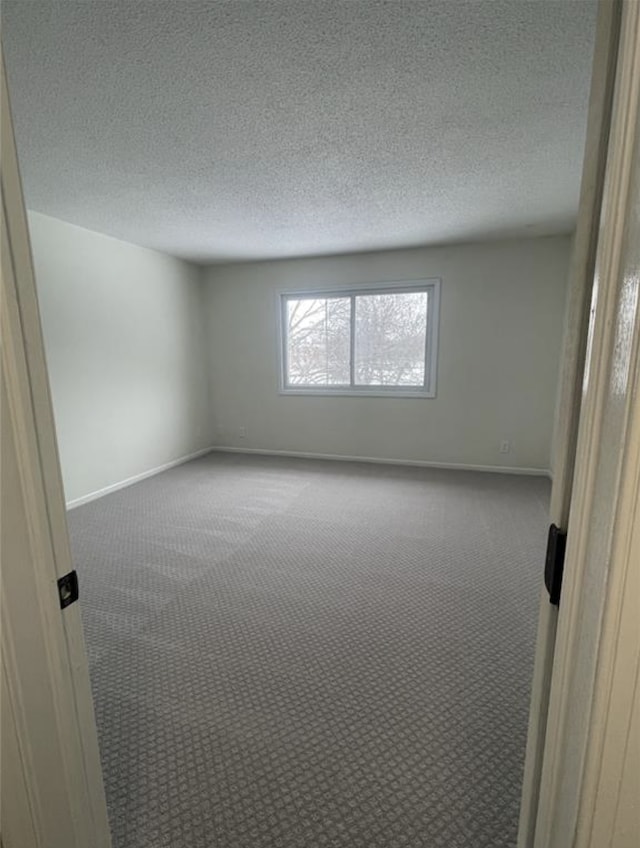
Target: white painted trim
{"x":378,"y":460}
{"x":333,"y":290}
{"x":430,"y":285}
{"x":588,"y":796}
{"x":45,"y":669}
{"x":456,"y":466}
{"x":353,"y":392}
{"x":122,"y":484}
{"x":567,"y":414}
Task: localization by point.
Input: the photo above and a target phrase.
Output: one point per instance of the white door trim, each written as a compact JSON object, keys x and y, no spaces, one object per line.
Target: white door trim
{"x":45,"y":669}
{"x":586,"y":686}
{"x":567,"y":418}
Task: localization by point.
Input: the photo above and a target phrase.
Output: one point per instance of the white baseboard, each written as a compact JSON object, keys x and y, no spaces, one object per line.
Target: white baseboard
{"x":420,"y":463}
{"x":92,"y":496}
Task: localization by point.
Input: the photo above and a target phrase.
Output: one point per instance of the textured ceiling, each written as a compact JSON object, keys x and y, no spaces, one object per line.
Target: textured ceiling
{"x":240,"y":130}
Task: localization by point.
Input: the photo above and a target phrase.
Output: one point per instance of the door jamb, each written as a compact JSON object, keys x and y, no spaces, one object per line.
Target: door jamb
{"x":569,"y":399}
{"x":30,"y":412}
{"x":605,"y":510}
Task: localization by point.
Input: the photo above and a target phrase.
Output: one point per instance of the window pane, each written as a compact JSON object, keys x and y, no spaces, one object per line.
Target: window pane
{"x":391,"y":333}
{"x":318,"y":347}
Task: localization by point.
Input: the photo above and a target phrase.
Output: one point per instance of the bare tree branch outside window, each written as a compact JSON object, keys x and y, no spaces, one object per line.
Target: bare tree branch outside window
{"x":318,"y":333}
{"x":388,"y":347}
{"x":390,"y":336}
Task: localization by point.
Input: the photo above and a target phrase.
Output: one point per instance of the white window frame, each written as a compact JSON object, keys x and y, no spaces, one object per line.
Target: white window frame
{"x":428,"y":390}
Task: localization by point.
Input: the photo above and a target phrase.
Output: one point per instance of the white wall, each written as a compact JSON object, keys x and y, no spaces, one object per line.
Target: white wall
{"x":138,"y":381}
{"x":501,"y":319}
{"x":124,"y":339}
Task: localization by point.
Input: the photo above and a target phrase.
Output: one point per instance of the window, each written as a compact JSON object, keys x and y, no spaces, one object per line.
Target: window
{"x":379,"y":340}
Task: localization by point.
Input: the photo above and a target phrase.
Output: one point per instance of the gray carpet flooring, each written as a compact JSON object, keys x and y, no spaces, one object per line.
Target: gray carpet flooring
{"x":296,"y":654}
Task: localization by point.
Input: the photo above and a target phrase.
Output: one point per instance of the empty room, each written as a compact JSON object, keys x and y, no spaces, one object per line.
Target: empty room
{"x":303,"y":272}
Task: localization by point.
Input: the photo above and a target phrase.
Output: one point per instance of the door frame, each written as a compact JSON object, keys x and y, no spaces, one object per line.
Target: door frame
{"x":569,"y":399}
{"x":590,"y":756}
{"x":601,"y":560}
{"x":48,"y":712}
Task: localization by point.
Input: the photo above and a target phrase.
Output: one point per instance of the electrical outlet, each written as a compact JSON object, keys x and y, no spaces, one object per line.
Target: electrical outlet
{"x":242,"y":432}
{"x":505,"y":446}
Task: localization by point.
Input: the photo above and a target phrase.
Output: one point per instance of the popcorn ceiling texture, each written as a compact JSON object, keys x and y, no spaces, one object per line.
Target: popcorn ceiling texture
{"x":218,"y":131}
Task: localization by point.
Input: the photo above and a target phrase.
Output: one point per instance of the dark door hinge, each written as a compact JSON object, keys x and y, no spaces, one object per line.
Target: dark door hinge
{"x":554,"y":563}
{"x":68,"y":589}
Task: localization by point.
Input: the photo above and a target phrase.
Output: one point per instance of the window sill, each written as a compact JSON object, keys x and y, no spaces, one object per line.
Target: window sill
{"x":378,"y":393}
